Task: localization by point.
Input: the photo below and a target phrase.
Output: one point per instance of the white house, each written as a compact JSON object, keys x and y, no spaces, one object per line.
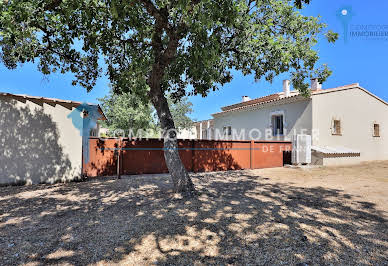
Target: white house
{"x":348,"y":124}
{"x":204,"y":129}
{"x":199,"y":130}
{"x":41,"y":139}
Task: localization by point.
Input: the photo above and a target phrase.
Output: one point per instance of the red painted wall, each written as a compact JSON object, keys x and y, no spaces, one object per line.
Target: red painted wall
{"x":146,"y":156}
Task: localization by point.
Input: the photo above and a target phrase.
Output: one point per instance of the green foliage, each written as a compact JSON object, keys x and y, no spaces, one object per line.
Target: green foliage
{"x":332,"y":36}
{"x":126,"y":111}
{"x":299,"y":3}
{"x":194,"y":43}
{"x":104,"y":135}
{"x":180,"y":110}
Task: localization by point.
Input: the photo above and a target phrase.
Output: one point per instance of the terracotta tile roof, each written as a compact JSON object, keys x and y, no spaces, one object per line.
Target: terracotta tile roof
{"x":66,"y":103}
{"x":349,"y":86}
{"x":335,"y":150}
{"x":202,"y":121}
{"x":251,"y":102}
{"x":275,"y":99}
{"x":279,"y":96}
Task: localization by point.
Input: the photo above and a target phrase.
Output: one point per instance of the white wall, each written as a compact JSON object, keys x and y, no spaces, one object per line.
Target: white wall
{"x":187,"y":133}
{"x":297,"y":116}
{"x":183,"y":133}
{"x":358,"y":111}
{"x":204,"y":129}
{"x":38,"y":143}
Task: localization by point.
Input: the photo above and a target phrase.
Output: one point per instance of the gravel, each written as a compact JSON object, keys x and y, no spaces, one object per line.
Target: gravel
{"x":279,"y":216}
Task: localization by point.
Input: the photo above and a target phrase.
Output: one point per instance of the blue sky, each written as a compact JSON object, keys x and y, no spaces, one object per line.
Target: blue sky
{"x":357,"y":60}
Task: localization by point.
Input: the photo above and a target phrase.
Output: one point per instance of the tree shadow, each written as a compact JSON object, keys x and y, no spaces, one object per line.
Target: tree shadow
{"x":238,"y":218}
{"x":147,"y":156}
{"x":209,"y":155}
{"x":29,"y":146}
{"x":102,"y":157}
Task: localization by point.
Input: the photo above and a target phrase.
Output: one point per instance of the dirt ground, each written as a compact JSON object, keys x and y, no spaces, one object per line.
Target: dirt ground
{"x":331,"y":215}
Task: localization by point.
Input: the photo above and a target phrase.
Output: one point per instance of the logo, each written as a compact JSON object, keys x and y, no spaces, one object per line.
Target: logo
{"x":345,"y":15}
{"x":84,"y":118}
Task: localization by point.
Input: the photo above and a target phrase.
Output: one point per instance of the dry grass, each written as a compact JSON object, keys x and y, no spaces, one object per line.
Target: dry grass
{"x":271,"y":216}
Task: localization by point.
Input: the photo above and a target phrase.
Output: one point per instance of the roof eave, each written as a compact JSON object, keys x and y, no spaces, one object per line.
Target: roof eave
{"x":349,"y":87}
{"x":264,"y":104}
{"x":65,"y":103}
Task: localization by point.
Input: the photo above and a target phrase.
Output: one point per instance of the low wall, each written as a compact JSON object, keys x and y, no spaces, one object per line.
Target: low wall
{"x":111,"y":156}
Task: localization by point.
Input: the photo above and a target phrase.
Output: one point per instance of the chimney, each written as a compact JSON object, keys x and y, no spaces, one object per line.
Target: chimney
{"x":315,"y":85}
{"x":245,"y":98}
{"x":286,"y":88}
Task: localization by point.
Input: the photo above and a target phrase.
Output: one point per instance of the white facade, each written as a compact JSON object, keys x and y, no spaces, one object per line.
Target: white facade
{"x":256,"y":123}
{"x":187,"y":133}
{"x":204,"y":129}
{"x":182,"y":133}
{"x":358,"y":111}
{"x":353,"y":111}
{"x":39,"y":142}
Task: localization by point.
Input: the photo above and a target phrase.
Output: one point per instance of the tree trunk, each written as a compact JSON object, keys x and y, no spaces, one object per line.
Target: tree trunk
{"x":163,"y":57}
{"x":180,"y":177}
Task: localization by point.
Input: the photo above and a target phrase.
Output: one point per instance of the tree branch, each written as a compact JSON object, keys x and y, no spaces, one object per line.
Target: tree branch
{"x":160,"y":15}
{"x":152,"y":10}
{"x":164,"y":57}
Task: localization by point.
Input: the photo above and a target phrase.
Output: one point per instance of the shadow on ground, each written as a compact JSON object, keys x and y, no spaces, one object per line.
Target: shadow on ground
{"x":237,"y":219}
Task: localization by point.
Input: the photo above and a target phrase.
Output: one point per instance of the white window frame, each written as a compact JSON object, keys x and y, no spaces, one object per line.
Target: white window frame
{"x":93,"y":132}
{"x":275,"y":130}
{"x":373,"y":128}
{"x":271,"y":126}
{"x":333,"y":127}
{"x":204,"y":134}
{"x":227,"y":131}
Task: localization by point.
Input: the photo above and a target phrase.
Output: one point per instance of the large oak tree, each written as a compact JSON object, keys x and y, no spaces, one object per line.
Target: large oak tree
{"x":151,"y":47}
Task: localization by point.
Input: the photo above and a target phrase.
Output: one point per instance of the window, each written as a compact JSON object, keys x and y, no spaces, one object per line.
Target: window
{"x":277,"y":125}
{"x":336,"y":127}
{"x":93,"y":132}
{"x":376,"y":130}
{"x":211,"y":133}
{"x":204,"y":134}
{"x":227,"y":130}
